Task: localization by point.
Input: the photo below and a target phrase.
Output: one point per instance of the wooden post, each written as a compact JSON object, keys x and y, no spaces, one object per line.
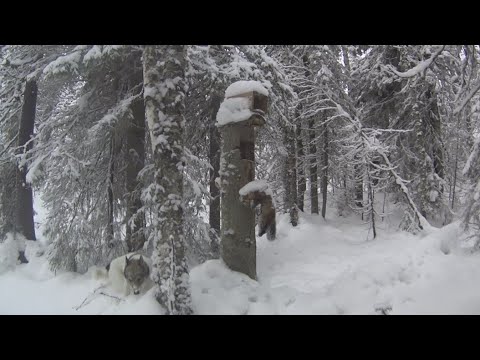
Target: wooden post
{"x":237,"y":168}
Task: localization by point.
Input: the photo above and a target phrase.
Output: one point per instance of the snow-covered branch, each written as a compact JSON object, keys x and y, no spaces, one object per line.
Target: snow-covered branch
{"x":419,"y":68}
{"x":467,"y":99}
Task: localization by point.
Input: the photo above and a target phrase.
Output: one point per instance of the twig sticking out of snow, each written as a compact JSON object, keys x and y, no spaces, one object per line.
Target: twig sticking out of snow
{"x":92,"y":296}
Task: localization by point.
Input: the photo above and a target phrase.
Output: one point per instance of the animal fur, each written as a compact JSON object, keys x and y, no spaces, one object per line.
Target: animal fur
{"x":128,"y":273}
{"x":267,"y":220}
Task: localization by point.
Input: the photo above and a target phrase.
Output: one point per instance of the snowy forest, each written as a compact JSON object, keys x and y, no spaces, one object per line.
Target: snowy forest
{"x":239,"y":179}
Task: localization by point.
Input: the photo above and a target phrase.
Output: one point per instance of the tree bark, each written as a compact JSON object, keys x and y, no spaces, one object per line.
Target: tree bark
{"x":455,"y":170}
{"x":238,"y":245}
{"x":313,"y":168}
{"x":302,"y":184}
{"x":164,"y":92}
{"x":214,"y":158}
{"x":291,"y":177}
{"x":135,"y":237}
{"x":357,"y":173}
{"x":371,"y":199}
{"x":428,"y":146}
{"x":434,"y":115}
{"x":111,"y":171}
{"x":24,"y":215}
{"x":324,"y":185}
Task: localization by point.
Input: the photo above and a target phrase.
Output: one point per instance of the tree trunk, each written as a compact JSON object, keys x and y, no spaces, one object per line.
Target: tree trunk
{"x":313,"y":168}
{"x":111,"y":170}
{"x":434,"y":115}
{"x":358,"y":181}
{"x":238,"y":245}
{"x":455,"y":170}
{"x":135,"y":237}
{"x":429,"y":148}
{"x":164,"y":92}
{"x":24,"y":215}
{"x":469,"y":132}
{"x":357,"y":173}
{"x":371,"y":200}
{"x":291,"y":177}
{"x":346,"y":58}
{"x":324,"y":169}
{"x":302,"y":184}
{"x":214,"y":158}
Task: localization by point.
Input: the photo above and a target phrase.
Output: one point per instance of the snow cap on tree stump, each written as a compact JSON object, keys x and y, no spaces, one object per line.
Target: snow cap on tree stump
{"x":243,"y":109}
{"x":244,"y":101}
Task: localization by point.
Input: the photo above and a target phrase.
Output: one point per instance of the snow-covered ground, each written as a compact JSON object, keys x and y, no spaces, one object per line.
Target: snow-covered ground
{"x":328,"y":268}
{"x":320,"y":267}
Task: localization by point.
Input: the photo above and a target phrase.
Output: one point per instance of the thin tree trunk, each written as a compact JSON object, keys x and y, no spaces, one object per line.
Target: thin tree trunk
{"x":302,"y":184}
{"x":291,"y":177}
{"x":164,"y":92}
{"x":324,"y":169}
{"x":469,"y":132}
{"x":313,"y":168}
{"x":135,"y":237}
{"x":455,"y":177}
{"x":434,"y":114}
{"x":428,"y":146}
{"x":214,"y":158}
{"x":371,"y":199}
{"x":24,"y":215}
{"x":384,"y":202}
{"x":346,"y":59}
{"x":111,"y":169}
{"x":453,"y":187}
{"x":358,"y":186}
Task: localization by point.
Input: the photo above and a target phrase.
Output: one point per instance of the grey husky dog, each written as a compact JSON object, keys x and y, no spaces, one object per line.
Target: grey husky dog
{"x":128,"y":273}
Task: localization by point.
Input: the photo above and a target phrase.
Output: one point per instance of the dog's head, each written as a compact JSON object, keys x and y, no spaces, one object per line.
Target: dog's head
{"x":136,"y":272}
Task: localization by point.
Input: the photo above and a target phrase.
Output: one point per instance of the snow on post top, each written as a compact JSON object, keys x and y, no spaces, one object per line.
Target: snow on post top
{"x":233,"y":110}
{"x":255,"y":185}
{"x":237,"y":108}
{"x":241,"y":87}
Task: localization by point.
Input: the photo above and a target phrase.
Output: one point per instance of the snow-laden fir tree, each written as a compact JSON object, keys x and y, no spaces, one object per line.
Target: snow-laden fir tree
{"x":90,"y":143}
{"x":20,"y":72}
{"x":164,"y":92}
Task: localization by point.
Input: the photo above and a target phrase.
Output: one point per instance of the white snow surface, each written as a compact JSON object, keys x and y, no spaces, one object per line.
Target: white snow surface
{"x":243,"y":86}
{"x":233,"y":110}
{"x":319,"y":267}
{"x":236,"y":109}
{"x":255,"y":185}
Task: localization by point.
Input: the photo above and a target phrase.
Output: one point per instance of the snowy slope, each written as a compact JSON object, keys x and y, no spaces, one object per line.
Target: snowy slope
{"x":328,"y":268}
{"x":320,"y":267}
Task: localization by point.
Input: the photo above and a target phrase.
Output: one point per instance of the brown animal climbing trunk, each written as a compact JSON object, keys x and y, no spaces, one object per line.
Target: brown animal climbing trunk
{"x":267,"y":222}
